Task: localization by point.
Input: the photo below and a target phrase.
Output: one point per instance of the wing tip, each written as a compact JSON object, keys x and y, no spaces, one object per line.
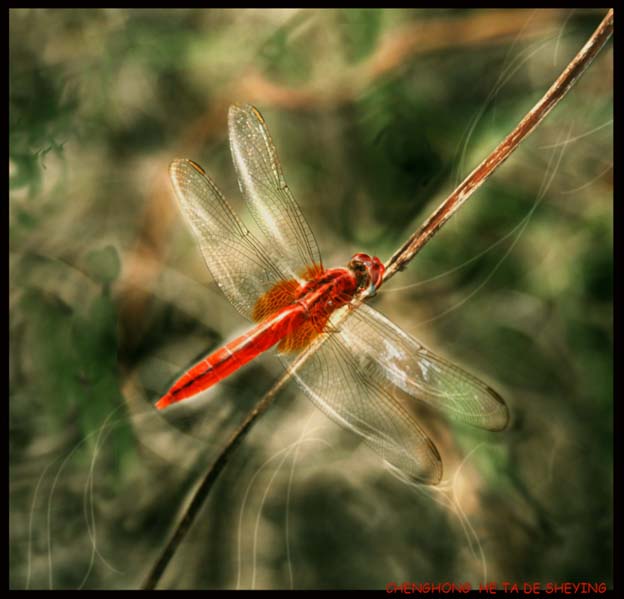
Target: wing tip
{"x":431,"y":477}
{"x":174,"y":164}
{"x":178,"y":163}
{"x":434,"y":474}
{"x":501,"y":416}
{"x":242,"y":108}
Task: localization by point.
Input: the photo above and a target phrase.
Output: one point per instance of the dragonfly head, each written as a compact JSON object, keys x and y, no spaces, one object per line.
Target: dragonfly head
{"x":368,"y":272}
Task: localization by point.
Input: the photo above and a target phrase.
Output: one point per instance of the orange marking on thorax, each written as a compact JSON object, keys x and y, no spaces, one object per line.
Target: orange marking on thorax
{"x":324,"y":292}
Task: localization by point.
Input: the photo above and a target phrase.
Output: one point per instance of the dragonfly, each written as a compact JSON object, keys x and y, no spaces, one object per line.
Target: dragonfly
{"x":364,"y":370}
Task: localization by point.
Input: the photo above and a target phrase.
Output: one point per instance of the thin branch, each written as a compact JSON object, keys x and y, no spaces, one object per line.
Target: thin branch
{"x":479,"y":175}
{"x":202,"y":491}
{"x":397,"y":262}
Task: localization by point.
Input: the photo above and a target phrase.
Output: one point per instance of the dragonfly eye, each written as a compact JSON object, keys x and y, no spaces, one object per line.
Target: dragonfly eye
{"x":356,"y":265}
{"x":358,"y":268}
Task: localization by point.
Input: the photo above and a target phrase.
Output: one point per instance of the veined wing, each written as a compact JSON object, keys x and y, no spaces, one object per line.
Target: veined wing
{"x":262,"y":182}
{"x":347,"y":386}
{"x":238,"y":262}
{"x":353,"y":374}
{"x":408,"y":364}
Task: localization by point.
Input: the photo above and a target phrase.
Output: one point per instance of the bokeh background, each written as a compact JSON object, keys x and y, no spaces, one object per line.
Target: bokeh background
{"x":377,"y":114}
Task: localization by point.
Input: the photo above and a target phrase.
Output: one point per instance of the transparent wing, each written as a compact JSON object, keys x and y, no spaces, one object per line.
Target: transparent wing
{"x":270,"y":202}
{"x":352,"y":377}
{"x":238,"y":262}
{"x":348,"y":386}
{"x":409,"y":365}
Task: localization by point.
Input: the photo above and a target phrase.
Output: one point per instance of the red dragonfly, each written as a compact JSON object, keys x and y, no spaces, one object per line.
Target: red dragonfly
{"x":280,"y":284}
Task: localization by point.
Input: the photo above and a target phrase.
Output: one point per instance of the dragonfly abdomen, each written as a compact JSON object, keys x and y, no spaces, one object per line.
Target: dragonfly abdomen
{"x":293,"y":327}
{"x":232,"y":356}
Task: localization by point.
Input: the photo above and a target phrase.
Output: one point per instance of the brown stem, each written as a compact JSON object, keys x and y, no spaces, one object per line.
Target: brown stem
{"x":398,"y":261}
{"x":202,"y":491}
{"x":478,"y":176}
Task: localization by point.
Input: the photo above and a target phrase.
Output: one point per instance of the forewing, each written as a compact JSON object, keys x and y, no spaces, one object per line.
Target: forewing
{"x":348,"y":387}
{"x":269,"y":199}
{"x":238,"y":262}
{"x":408,"y":364}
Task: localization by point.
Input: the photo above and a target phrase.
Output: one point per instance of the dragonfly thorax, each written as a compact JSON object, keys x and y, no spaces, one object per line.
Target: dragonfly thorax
{"x":368,"y":271}
{"x":329,"y":291}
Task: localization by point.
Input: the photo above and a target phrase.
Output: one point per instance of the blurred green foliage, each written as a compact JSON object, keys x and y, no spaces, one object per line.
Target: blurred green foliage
{"x":109,"y":299}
